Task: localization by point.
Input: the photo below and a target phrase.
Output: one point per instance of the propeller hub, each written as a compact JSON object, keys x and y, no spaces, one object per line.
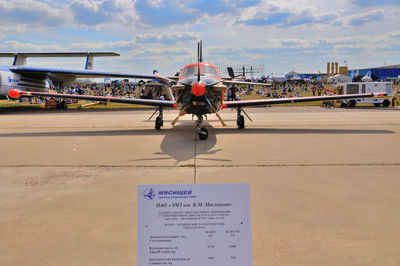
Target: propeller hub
{"x":198,"y":89}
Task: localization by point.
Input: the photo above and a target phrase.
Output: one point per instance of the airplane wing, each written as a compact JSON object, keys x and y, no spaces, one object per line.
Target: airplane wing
{"x":245,"y":103}
{"x":17,"y":93}
{"x":245,"y":83}
{"x":64,"y":74}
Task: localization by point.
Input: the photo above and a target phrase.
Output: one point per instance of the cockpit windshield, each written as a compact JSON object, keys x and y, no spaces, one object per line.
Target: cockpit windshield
{"x":205,"y":71}
{"x":190,"y":71}
{"x":208,"y":71}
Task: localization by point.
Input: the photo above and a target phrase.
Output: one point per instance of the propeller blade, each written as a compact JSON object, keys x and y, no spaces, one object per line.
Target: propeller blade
{"x":181,"y":113}
{"x":220,"y":119}
{"x":215,"y":111}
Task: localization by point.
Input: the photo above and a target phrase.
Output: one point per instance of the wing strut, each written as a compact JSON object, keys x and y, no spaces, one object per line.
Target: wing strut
{"x":241,"y":109}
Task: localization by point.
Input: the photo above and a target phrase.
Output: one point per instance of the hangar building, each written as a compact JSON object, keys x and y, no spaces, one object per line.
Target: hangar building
{"x":383,"y":73}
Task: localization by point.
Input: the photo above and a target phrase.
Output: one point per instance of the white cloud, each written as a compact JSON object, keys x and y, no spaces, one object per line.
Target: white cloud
{"x":92,"y":46}
{"x":166,"y":37}
{"x":93,"y":13}
{"x":359,"y":19}
{"x":32,"y":13}
{"x":17,"y":46}
{"x":156,"y":3}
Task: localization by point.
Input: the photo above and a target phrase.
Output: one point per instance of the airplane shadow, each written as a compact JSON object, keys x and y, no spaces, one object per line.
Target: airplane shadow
{"x":181,"y":142}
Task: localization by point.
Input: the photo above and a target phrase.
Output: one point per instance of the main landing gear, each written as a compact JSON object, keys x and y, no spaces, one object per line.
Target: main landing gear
{"x":201,"y":131}
{"x":159,"y":119}
{"x":240,"y":118}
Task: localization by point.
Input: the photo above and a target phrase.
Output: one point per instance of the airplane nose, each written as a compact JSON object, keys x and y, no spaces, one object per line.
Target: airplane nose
{"x":198,"y":89}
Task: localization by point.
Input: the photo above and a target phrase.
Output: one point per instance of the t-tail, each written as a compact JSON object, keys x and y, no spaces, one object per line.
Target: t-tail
{"x":20,"y":58}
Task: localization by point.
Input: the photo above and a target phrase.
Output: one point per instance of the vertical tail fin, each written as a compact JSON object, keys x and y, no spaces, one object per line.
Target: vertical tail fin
{"x":199,"y":58}
{"x":230,"y":72}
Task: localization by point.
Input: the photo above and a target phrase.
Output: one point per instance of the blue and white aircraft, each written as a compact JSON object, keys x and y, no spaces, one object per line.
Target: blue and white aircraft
{"x":25,"y":78}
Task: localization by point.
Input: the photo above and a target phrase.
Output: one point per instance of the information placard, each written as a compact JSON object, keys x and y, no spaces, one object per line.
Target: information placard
{"x":196,"y":225}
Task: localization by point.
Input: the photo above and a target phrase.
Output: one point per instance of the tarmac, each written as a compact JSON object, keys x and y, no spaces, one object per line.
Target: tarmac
{"x":324,"y":183}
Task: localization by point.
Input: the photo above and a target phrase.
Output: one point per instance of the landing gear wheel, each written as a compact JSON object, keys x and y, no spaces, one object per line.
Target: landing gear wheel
{"x":377,"y":104}
{"x":62,"y":104}
{"x":352,"y":103}
{"x":240,"y":122}
{"x":386,"y":103}
{"x":203,"y":133}
{"x":159,"y":122}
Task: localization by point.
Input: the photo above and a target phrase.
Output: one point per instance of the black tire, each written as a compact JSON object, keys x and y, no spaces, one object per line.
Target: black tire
{"x":386,"y":103}
{"x":64,"y":104}
{"x":352,"y":103}
{"x":377,"y":104}
{"x":240,"y":122}
{"x":61,"y":104}
{"x":203,"y":134}
{"x":343,"y":105}
{"x":159,"y":123}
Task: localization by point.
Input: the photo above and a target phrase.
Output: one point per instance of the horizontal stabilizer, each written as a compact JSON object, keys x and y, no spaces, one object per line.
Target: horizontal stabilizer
{"x":63,"y":54}
{"x":20,"y":58}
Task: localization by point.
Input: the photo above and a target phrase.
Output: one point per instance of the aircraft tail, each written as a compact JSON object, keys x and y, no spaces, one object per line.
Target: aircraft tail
{"x":230,"y":72}
{"x":20,"y":58}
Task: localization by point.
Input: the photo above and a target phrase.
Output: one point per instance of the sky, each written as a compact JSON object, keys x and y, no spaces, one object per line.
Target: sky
{"x":282,"y":35}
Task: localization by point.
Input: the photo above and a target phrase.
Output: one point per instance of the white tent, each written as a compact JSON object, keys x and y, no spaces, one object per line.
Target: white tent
{"x":366,"y":79}
{"x":339,"y":78}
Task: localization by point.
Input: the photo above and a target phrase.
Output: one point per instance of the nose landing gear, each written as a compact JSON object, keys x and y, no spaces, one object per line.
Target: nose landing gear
{"x":201,"y":131}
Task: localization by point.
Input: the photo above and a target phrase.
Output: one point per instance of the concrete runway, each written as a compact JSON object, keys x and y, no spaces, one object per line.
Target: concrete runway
{"x":324,"y":182}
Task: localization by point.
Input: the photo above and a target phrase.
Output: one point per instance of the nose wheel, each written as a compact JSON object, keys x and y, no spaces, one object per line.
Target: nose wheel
{"x":202,"y":132}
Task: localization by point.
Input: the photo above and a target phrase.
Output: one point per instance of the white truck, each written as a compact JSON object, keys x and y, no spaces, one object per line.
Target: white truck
{"x":367,"y":87}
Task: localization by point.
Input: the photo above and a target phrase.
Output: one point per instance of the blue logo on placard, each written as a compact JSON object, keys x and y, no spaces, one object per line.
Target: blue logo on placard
{"x":149,"y":194}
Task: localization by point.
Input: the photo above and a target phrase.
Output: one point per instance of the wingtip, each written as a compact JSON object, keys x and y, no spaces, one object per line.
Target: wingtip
{"x":14,"y":93}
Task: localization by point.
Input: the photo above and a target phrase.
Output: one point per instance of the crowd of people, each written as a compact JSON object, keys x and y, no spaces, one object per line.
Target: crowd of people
{"x":278,"y":90}
{"x":123,"y":89}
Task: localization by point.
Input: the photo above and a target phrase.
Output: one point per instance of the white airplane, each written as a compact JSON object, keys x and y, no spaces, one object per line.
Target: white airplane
{"x":25,"y":78}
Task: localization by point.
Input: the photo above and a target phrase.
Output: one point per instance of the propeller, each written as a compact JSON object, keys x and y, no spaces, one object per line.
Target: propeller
{"x":215,"y":111}
{"x":181,"y":113}
{"x":220,"y":119}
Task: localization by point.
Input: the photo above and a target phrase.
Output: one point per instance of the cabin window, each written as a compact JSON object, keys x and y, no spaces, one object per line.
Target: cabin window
{"x":363,"y":88}
{"x":352,"y":89}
